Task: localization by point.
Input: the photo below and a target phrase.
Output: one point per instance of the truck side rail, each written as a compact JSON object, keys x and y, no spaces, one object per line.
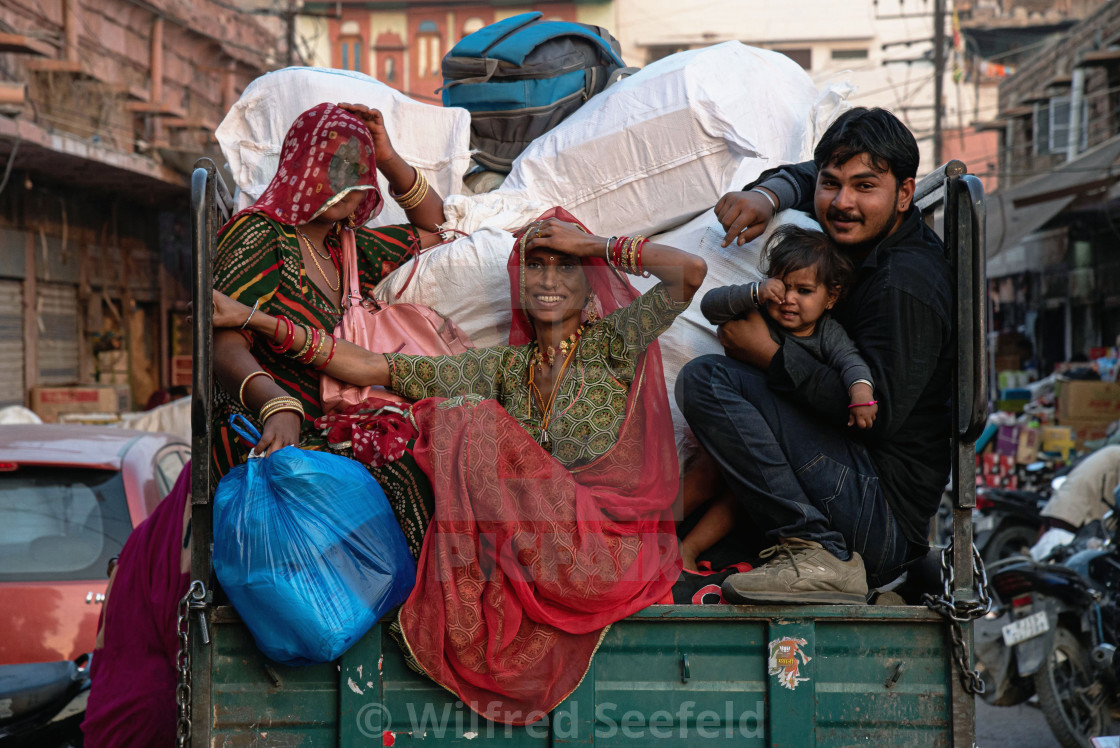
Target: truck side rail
{"x":211,"y":206}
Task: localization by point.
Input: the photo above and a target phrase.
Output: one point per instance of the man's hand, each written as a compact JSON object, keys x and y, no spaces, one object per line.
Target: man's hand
{"x":748,"y":340}
{"x":744,"y":215}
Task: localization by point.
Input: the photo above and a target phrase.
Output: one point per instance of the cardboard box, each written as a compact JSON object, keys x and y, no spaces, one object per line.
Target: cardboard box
{"x":1058,"y":439}
{"x":50,"y":402}
{"x":1007,"y":440}
{"x":1086,"y":431}
{"x":1028,"y":446}
{"x":1088,"y":401}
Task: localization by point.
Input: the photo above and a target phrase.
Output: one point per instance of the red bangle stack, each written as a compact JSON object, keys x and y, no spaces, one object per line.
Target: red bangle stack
{"x":625,"y":253}
{"x":289,"y":336}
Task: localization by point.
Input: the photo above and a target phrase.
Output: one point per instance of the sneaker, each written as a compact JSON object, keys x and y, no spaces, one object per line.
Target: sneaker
{"x":799,"y":571}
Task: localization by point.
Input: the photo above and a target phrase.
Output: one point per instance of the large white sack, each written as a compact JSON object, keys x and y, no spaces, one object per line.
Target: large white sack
{"x":662,"y":146}
{"x":465,"y":280}
{"x":691,"y":335}
{"x":434,"y":139}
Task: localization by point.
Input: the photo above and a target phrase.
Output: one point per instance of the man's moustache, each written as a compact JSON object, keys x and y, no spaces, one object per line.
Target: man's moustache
{"x":832,"y":216}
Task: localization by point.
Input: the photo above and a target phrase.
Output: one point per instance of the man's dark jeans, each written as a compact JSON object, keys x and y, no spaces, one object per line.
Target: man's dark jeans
{"x":794,"y":476}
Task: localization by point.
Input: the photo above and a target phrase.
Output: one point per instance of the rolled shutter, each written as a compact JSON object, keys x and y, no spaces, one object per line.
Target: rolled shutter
{"x":58,"y":334}
{"x":11,"y":343}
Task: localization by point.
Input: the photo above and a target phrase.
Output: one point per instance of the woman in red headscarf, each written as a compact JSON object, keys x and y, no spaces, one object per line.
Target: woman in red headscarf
{"x":553,"y":466}
{"x":283,"y":255}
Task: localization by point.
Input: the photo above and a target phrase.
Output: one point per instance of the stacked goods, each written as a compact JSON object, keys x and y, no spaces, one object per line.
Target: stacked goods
{"x":1088,"y":408}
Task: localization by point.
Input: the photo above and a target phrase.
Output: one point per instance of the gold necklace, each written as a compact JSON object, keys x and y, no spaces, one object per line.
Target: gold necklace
{"x":538,"y":358}
{"x":327,"y":256}
{"x":314,"y":258}
{"x":546,"y":407}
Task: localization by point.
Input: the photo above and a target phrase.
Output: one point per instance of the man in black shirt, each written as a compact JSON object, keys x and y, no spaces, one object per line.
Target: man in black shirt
{"x":842,"y":505}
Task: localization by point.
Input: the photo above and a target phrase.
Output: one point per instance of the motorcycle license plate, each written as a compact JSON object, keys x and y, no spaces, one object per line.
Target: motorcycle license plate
{"x":1020,"y":631}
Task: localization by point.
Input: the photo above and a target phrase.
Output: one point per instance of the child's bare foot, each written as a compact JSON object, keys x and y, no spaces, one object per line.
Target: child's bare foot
{"x":688,"y":557}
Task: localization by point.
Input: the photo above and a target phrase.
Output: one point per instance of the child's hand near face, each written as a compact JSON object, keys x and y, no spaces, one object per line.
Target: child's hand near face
{"x":862,"y":415}
{"x":771,"y":289}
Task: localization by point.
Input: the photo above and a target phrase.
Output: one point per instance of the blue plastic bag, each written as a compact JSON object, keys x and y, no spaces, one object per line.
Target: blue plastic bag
{"x":309,"y":552}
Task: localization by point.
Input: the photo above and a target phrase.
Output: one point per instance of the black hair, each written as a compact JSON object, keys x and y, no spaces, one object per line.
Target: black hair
{"x":791,"y":248}
{"x":876,"y":132}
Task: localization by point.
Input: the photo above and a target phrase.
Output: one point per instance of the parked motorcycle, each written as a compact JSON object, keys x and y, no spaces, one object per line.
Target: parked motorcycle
{"x":1006,"y":523}
{"x":1061,"y":639}
{"x":42,"y":704}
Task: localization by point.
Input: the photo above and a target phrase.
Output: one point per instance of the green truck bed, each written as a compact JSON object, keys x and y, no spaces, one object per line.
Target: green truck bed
{"x":674,"y":675}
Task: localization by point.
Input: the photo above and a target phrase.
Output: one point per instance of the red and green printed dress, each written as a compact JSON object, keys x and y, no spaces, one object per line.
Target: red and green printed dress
{"x":259,"y":258}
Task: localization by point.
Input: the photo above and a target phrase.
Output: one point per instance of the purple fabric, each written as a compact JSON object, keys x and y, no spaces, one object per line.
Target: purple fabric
{"x":132,"y":697}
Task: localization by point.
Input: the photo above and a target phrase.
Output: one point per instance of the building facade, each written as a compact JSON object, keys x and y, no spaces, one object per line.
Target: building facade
{"x":403,"y":43}
{"x":1054,"y":224}
{"x":104,"y":107}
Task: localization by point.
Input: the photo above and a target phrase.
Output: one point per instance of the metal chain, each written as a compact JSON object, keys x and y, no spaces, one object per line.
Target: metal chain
{"x":194,"y":599}
{"x":957,"y":612}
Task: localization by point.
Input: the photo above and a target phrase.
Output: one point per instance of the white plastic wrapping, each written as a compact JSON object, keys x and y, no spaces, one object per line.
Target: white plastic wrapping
{"x":434,"y":139}
{"x":660,"y":147}
{"x":465,"y":280}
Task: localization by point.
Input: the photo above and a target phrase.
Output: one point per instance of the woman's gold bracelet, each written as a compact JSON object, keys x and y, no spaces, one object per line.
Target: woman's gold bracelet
{"x":245,"y":381}
{"x":277,"y":404}
{"x":414,"y":196}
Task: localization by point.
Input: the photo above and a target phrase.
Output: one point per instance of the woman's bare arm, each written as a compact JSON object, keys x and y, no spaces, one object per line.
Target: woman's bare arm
{"x":350,"y":363}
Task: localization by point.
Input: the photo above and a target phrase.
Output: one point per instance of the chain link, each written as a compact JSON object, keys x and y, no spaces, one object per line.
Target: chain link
{"x":194,"y":599}
{"x":957,"y":612}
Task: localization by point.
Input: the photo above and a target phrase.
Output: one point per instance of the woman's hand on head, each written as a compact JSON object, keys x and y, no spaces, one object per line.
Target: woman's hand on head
{"x":280,"y":430}
{"x":375,"y":122}
{"x":564,"y":237}
{"x":229,"y":313}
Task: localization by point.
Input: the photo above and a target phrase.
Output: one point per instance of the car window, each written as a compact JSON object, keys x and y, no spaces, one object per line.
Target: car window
{"x":168,"y":466}
{"x":60,"y":524}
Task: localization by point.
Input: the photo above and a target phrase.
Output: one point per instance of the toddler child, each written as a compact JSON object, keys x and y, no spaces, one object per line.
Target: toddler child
{"x":807,"y":275}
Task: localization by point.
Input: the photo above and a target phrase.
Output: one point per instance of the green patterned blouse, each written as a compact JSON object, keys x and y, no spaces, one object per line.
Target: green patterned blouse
{"x":590,"y":402}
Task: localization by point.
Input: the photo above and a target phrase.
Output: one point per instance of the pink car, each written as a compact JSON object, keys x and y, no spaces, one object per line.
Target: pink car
{"x":69,"y":497}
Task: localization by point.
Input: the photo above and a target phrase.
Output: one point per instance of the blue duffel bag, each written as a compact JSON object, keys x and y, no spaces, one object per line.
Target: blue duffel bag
{"x":522,"y":76}
{"x":308,"y":551}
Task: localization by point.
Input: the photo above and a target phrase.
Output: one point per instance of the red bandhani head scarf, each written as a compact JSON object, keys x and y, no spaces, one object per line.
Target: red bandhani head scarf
{"x":327,"y":153}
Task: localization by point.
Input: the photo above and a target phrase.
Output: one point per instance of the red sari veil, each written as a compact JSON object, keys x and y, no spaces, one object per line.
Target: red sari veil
{"x":526,"y":563}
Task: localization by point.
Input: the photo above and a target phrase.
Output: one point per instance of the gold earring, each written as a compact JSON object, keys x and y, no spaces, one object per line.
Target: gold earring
{"x":589,"y":309}
{"x":350,"y":222}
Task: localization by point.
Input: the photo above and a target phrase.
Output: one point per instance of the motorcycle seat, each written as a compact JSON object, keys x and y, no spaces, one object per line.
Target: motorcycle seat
{"x":27,"y":688}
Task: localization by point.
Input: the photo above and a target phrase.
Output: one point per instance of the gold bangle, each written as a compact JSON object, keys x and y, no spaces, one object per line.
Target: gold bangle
{"x":245,"y":381}
{"x":411,"y":191}
{"x":416,"y":195}
{"x":277,"y":404}
{"x":264,"y":416}
{"x":306,"y":344}
{"x":318,"y":348}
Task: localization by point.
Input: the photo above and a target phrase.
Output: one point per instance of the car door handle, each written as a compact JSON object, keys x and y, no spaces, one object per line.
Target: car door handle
{"x":95,"y":597}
